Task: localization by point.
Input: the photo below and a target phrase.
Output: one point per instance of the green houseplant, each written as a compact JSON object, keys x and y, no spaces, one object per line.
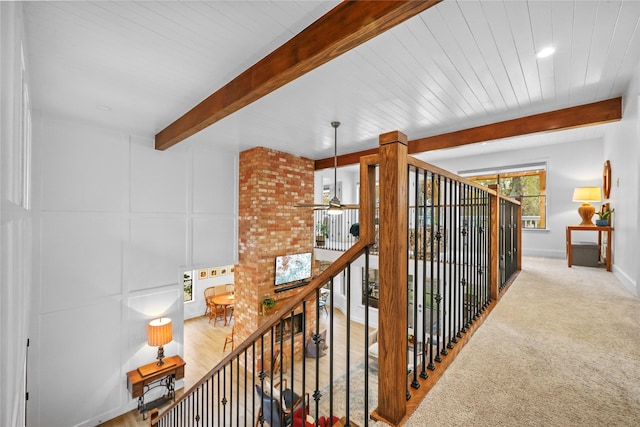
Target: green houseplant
{"x":267,"y":304}
{"x":604,"y":215}
{"x":322,"y":232}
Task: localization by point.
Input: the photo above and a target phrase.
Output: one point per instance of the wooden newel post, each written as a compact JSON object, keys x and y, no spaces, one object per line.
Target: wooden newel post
{"x":392,"y":310}
{"x":519,"y":236}
{"x":494,"y":256}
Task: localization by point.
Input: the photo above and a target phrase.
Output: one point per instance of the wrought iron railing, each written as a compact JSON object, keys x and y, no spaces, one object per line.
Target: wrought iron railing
{"x":304,"y":372}
{"x":336,"y":232}
{"x":454,"y":245}
{"x":510,"y":218}
{"x":448,"y":271}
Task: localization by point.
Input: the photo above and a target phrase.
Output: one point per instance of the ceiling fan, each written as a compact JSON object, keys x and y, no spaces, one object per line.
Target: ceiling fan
{"x":334,"y":207}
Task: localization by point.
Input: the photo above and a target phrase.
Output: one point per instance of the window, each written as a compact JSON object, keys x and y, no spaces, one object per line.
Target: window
{"x":371,"y":289}
{"x":187,"y":286}
{"x":528,"y":183}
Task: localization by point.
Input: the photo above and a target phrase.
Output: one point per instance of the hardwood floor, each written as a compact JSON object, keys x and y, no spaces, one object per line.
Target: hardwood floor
{"x":203,"y":349}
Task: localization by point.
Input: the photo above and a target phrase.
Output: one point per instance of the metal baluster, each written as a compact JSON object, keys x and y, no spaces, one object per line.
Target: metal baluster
{"x":416,"y":235}
{"x":331,"y":355}
{"x":473,"y":252}
{"x":464,"y":262}
{"x":435,"y":249}
{"x":424,"y":225}
{"x":453,"y":258}
{"x":365,"y":294}
{"x":440,"y":257}
{"x":316,"y":339}
{"x":445,"y":268}
{"x":305,"y":409}
{"x":473,"y":269}
{"x":348,"y":358}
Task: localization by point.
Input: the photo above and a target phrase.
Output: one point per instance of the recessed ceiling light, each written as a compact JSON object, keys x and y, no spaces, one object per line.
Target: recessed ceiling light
{"x":547,"y":51}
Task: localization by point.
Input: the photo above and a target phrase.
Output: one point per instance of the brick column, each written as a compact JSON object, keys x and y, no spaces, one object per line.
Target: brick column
{"x":270,"y":183}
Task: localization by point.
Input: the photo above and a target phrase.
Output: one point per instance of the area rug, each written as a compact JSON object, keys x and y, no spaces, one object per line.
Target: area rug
{"x":355,"y":400}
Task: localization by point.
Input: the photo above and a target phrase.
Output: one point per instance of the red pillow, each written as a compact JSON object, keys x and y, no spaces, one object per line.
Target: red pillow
{"x":297,"y":422}
{"x":298,"y":416}
{"x":327,"y":421}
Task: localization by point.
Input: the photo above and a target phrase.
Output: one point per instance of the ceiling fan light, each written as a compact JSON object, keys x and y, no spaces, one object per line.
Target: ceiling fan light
{"x":334,"y":210}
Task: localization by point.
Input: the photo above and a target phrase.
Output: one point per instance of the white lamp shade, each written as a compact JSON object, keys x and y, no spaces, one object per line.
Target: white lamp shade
{"x":160,"y":332}
{"x":587,"y":194}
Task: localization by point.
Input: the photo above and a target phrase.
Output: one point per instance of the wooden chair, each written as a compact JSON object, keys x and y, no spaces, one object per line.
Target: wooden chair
{"x":213,"y":311}
{"x":279,"y":404}
{"x":208,"y":293}
{"x":217,"y":312}
{"x":271,"y":365}
{"x":229,"y":340}
{"x":230,"y":313}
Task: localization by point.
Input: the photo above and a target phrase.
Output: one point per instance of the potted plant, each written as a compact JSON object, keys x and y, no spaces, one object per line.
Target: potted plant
{"x":604,"y":214}
{"x":322,"y":233}
{"x":267,"y":304}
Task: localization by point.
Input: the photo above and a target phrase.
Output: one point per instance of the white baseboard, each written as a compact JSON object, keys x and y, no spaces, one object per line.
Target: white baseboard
{"x":626,"y":281}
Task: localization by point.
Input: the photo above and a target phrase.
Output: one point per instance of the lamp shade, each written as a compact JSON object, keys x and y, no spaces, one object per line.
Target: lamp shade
{"x":160,"y":332}
{"x":587,"y":194}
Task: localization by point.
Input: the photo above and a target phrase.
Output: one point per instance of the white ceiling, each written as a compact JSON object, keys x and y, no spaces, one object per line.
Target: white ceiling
{"x":138,"y":66}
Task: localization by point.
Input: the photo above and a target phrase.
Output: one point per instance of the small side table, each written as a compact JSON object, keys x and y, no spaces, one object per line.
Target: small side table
{"x":148,"y":377}
{"x":600,"y":229}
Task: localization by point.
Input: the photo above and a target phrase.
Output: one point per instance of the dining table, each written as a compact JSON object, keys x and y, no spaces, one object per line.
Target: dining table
{"x":224,"y":300}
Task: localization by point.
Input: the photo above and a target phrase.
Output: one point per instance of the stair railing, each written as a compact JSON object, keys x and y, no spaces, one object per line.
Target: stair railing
{"x":447,"y":248}
{"x":276,"y":371}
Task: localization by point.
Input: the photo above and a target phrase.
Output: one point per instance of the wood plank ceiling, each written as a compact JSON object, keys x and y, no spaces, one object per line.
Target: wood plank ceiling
{"x":137,"y":66}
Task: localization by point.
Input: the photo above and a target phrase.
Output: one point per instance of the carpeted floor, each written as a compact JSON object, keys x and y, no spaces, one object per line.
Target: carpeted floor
{"x":562,"y":348}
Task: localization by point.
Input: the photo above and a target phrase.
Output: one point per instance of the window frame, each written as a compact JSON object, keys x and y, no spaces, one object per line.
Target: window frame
{"x":517,"y":171}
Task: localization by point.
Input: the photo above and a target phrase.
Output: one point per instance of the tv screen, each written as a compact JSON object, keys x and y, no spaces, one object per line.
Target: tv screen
{"x":293,"y":268}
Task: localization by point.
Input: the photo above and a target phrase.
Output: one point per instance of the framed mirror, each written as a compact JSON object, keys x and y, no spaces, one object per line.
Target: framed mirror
{"x":606,"y":179}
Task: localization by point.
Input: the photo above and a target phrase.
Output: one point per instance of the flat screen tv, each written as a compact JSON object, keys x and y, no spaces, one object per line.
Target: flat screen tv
{"x":293,"y":268}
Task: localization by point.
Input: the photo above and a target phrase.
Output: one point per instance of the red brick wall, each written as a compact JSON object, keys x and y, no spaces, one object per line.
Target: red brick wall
{"x":270,"y":183}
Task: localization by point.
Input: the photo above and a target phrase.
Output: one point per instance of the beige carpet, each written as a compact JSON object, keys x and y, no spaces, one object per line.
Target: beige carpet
{"x":561,"y":349}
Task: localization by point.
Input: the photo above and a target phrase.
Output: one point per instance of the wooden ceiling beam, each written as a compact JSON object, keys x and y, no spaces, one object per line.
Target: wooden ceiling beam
{"x":346,"y":26}
{"x":595,"y":113}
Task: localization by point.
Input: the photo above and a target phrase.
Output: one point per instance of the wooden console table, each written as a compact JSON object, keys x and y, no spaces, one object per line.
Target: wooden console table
{"x":600,"y":229}
{"x":148,"y":377}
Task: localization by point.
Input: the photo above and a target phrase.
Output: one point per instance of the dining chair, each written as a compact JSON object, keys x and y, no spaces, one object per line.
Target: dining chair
{"x":229,"y":340}
{"x":217,"y":312}
{"x":213,"y":311}
{"x":208,"y":293}
{"x":230,"y":311}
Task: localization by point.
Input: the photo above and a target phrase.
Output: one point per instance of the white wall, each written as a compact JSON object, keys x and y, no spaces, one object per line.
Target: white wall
{"x":117,"y":223}
{"x":15,"y":219}
{"x":565,"y":171}
{"x":622,"y":148}
{"x":340,"y":300}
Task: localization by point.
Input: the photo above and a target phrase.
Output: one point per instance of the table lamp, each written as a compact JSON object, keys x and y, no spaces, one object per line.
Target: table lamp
{"x":586,"y":195}
{"x":160,"y":333}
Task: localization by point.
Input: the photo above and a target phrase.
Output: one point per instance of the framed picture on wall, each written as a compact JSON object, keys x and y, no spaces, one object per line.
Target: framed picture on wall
{"x":213,"y":272}
{"x":232,"y":269}
{"x":202,"y":274}
{"x":224,"y":271}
